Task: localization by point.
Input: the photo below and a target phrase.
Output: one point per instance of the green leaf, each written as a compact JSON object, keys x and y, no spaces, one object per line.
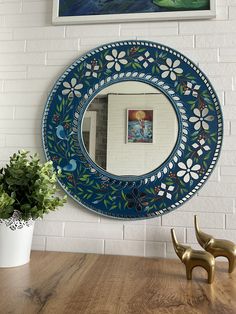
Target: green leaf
{"x":29,"y":186}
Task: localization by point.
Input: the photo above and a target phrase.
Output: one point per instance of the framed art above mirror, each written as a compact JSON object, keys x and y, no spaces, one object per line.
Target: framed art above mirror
{"x":113,"y":11}
{"x":137,"y":90}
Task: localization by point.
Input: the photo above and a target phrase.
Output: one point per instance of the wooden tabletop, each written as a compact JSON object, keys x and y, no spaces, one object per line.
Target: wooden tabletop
{"x":54,"y":283}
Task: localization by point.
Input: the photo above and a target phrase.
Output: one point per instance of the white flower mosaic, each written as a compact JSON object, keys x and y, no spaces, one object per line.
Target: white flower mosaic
{"x":116,"y":59}
{"x":188,"y":171}
{"x":166,"y":190}
{"x":190,"y":89}
{"x":145,"y":59}
{"x":201,"y":147}
{"x":72,"y":88}
{"x":92,"y":69}
{"x":171,"y":69}
{"x":201,"y":118}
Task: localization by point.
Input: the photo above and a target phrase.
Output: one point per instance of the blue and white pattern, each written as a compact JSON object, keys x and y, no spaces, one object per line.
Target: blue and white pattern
{"x":186,"y":169}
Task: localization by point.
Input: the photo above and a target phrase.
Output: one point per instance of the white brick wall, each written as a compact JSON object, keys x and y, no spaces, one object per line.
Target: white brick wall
{"x":33,"y":53}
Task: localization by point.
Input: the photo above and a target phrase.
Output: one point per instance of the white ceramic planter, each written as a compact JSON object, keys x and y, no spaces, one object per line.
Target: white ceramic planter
{"x":15,"y":242}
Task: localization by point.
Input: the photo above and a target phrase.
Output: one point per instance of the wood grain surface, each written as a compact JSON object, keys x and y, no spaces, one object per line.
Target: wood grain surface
{"x":96,"y":284}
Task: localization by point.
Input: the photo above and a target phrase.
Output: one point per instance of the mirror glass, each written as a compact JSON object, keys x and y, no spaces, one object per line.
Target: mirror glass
{"x":130,"y":128}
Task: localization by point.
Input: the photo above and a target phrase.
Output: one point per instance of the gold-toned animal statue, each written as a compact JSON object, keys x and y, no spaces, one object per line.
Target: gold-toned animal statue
{"x":193,"y":258}
{"x":217,"y":247}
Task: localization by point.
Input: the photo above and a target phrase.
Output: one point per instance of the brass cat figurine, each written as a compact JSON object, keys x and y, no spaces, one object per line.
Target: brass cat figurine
{"x":217,"y":247}
{"x":193,"y":258}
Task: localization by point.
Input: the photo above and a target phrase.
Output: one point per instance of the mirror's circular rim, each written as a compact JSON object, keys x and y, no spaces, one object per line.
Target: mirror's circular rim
{"x":200,"y":132}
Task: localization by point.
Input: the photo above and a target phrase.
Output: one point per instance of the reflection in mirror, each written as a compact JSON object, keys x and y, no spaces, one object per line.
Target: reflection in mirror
{"x":130,"y":128}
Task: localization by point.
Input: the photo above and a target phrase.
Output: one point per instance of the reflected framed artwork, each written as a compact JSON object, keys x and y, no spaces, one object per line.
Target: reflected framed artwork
{"x":111,"y":11}
{"x":139,"y":126}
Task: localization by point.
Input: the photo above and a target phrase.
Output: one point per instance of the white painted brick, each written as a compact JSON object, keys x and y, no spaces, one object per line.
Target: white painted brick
{"x":232,"y":13}
{"x":48,"y":228}
{"x":27,"y":86}
{"x":72,"y":213}
{"x":228,"y":179}
{"x":22,"y":99}
{"x":10,"y":8}
{"x":80,"y":31}
{"x":6,"y":112}
{"x":214,"y":177}
{"x":154,"y":221}
{"x":159,"y":234}
{"x":179,"y":42}
{"x":222,"y":83}
{"x":2,"y":140}
{"x":222,"y":13}
{"x":39,"y":33}
{"x":216,"y":233}
{"x":6,"y":34}
{"x":39,"y":243}
{"x":229,"y":143}
{"x":201,"y":55}
{"x":228,"y":158}
{"x":52,"y":45}
{"x":135,"y":232}
{"x":20,"y":126}
{"x":75,"y":245}
{"x":23,"y":140}
{"x":217,"y":69}
{"x":28,"y":20}
{"x":1,"y":85}
{"x":87,"y":43}
{"x":234,"y":83}
{"x":38,"y":72}
{"x":110,"y":220}
{"x":21,"y":59}
{"x":42,"y":6}
{"x":228,"y":171}
{"x":131,"y":248}
{"x":215,"y":41}
{"x":12,"y":75}
{"x":230,"y":97}
{"x":208,"y":205}
{"x":13,"y":68}
{"x":229,"y":112}
{"x":63,"y":56}
{"x":180,"y":219}
{"x":2,"y":20}
{"x":218,"y":190}
{"x":93,"y":230}
{"x":207,"y":27}
{"x":227,"y":55}
{"x":233,"y":127}
{"x":155,"y":249}
{"x":149,"y":29}
{"x":231,"y":221}
{"x":12,"y":46}
{"x":227,"y":128}
{"x":28,"y":113}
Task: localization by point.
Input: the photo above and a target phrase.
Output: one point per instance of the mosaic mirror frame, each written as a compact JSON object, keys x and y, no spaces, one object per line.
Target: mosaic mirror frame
{"x":180,"y":176}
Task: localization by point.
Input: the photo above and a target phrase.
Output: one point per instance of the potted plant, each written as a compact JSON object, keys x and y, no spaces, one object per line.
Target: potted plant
{"x":27,"y":192}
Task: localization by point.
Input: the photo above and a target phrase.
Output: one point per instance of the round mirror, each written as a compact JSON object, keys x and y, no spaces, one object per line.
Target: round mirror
{"x":130,"y":128}
{"x":134,"y":127}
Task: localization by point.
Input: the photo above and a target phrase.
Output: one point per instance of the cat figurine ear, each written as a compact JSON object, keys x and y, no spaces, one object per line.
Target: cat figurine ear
{"x":193,"y":258}
{"x":217,"y":247}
